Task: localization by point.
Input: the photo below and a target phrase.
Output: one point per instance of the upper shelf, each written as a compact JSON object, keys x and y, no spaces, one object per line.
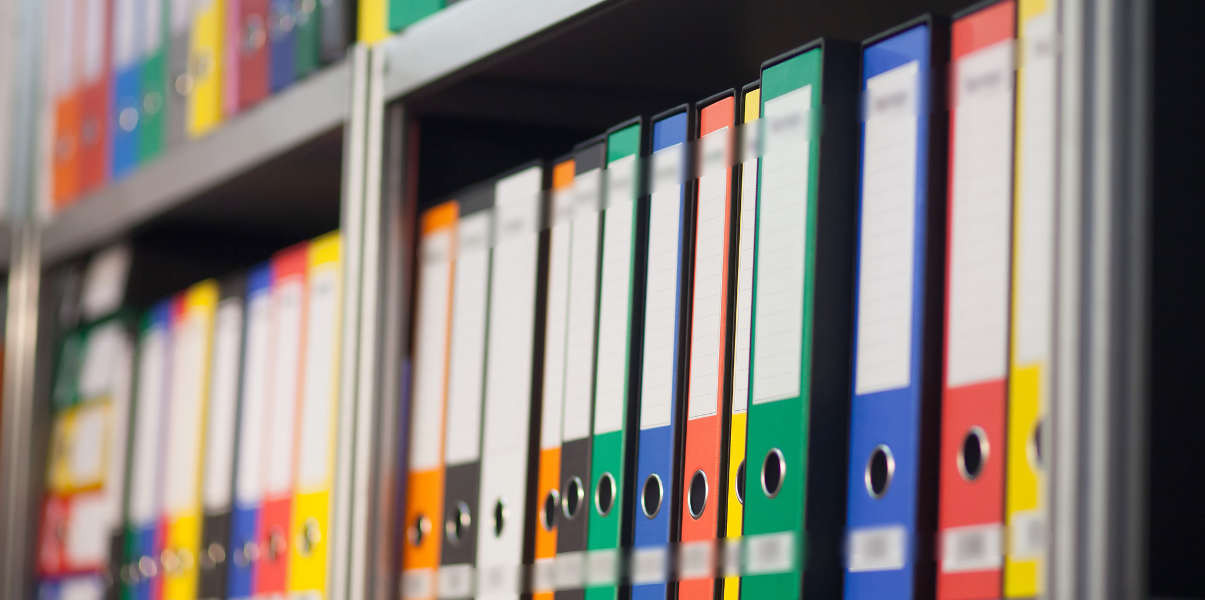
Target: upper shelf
{"x":306,"y":110}
{"x":464,"y":34}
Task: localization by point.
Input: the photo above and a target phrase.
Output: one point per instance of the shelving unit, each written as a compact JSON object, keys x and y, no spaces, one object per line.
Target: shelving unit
{"x":337,"y":150}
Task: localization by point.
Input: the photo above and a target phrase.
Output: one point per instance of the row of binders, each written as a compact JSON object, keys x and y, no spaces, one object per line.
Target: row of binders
{"x":788,"y":341}
{"x":126,"y":79}
{"x":221,"y":409}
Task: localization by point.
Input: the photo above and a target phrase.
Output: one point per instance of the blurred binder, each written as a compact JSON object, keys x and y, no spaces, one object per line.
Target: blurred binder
{"x":372,"y":21}
{"x":404,"y":13}
{"x":205,"y":66}
{"x":221,"y":429}
{"x":581,"y":328}
{"x":544,"y":520}
{"x":153,"y":77}
{"x":231,"y":49}
{"x":666,"y":317}
{"x":181,"y":78}
{"x":617,"y":361}
{"x":425,"y":473}
{"x":288,"y":343}
{"x":311,"y":516}
{"x":253,"y":52}
{"x":64,"y":60}
{"x":799,"y":366}
{"x":514,"y":351}
{"x":971,"y":497}
{"x":892,"y":482}
{"x":127,"y":83}
{"x":734,"y":511}
{"x":192,"y":334}
{"x":95,"y":91}
{"x":307,"y":32}
{"x":707,"y":388}
{"x":1031,"y":363}
{"x":466,"y":374}
{"x":255,"y":387}
{"x":282,"y":40}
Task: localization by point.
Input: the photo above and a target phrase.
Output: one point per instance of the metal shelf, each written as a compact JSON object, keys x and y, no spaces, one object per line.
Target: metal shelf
{"x":309,"y":108}
{"x":438,"y":46}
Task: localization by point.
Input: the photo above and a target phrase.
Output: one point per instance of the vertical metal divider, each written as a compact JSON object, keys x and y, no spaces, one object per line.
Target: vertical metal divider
{"x":370,"y":514}
{"x":23,"y":426}
{"x":351,"y":231}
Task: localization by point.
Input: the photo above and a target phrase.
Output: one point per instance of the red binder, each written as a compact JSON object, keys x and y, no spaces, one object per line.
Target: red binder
{"x":63,"y":50}
{"x":252,"y":43}
{"x":975,"y":389}
{"x":280,"y":454}
{"x":704,"y":489}
{"x":96,"y":69}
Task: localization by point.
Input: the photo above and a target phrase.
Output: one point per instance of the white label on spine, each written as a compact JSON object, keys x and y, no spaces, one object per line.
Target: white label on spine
{"x":1027,"y":535}
{"x":782,"y":243}
{"x":418,"y":583}
{"x":223,"y":397}
{"x":710,"y":286}
{"x":94,"y":40}
{"x":878,"y":548}
{"x":287,"y":296}
{"x":316,"y":445}
{"x":744,"y":278}
{"x":430,"y":352}
{"x":82,"y":588}
{"x":125,"y":42}
{"x":152,"y":26}
{"x":252,"y":423}
{"x":508,"y":382}
{"x":973,"y":548}
{"x":88,"y":446}
{"x":187,"y":412}
{"x":182,"y":12}
{"x":887,"y":238}
{"x":555,"y":321}
{"x":583,"y":290}
{"x":87,"y":540}
{"x":570,"y":570}
{"x":152,"y":378}
{"x":661,"y":295}
{"x":696,"y":559}
{"x":649,"y":565}
{"x":977,"y":340}
{"x":602,"y":567}
{"x":1036,"y":203}
{"x":769,"y":553}
{"x":615,"y":296}
{"x":466,"y":367}
{"x":455,"y":581}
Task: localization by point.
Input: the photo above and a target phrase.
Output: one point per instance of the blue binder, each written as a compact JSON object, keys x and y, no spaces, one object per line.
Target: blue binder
{"x":659,"y":454}
{"x":281,"y":52}
{"x":244,"y":519}
{"x":892,"y":477}
{"x":127,"y":86}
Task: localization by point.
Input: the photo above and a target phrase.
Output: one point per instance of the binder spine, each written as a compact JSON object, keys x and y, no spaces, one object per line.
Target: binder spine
{"x":205,"y":63}
{"x":252,"y":44}
{"x":126,"y":114}
{"x":153,"y":93}
{"x":307,"y":29}
{"x":333,"y":25}
{"x":95,"y":95}
{"x":282,"y":45}
{"x":180,"y":80}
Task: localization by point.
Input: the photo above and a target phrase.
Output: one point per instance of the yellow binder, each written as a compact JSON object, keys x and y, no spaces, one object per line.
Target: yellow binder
{"x":372,"y":23}
{"x":192,"y":336}
{"x":1033,"y":296}
{"x":205,"y":66}
{"x":310,"y":524}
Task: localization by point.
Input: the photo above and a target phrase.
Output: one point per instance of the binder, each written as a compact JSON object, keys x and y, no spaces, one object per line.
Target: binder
{"x":799,"y":365}
{"x":126,"y":95}
{"x":192,"y":335}
{"x":67,"y":22}
{"x":581,"y":332}
{"x":892,"y":483}
{"x":65,"y":390}
{"x":971,"y":495}
{"x":742,"y":309}
{"x":253,"y":52}
{"x":425,"y":473}
{"x":281,"y":44}
{"x":544,"y":520}
{"x":181,"y":80}
{"x":288,"y":343}
{"x":372,"y":20}
{"x":333,"y":29}
{"x":253,"y":420}
{"x":466,"y":373}
{"x":706,"y":383}
{"x":231,"y":50}
{"x":514,"y":347}
{"x":307,"y":18}
{"x":311,"y":520}
{"x":75,"y":463}
{"x":153,"y":78}
{"x":659,"y":443}
{"x":205,"y":61}
{"x":617,"y":359}
{"x":1032,"y":318}
{"x":95,"y":75}
{"x":147,"y":460}
{"x":221,"y":428}
{"x":82,"y":587}
{"x":404,"y":13}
